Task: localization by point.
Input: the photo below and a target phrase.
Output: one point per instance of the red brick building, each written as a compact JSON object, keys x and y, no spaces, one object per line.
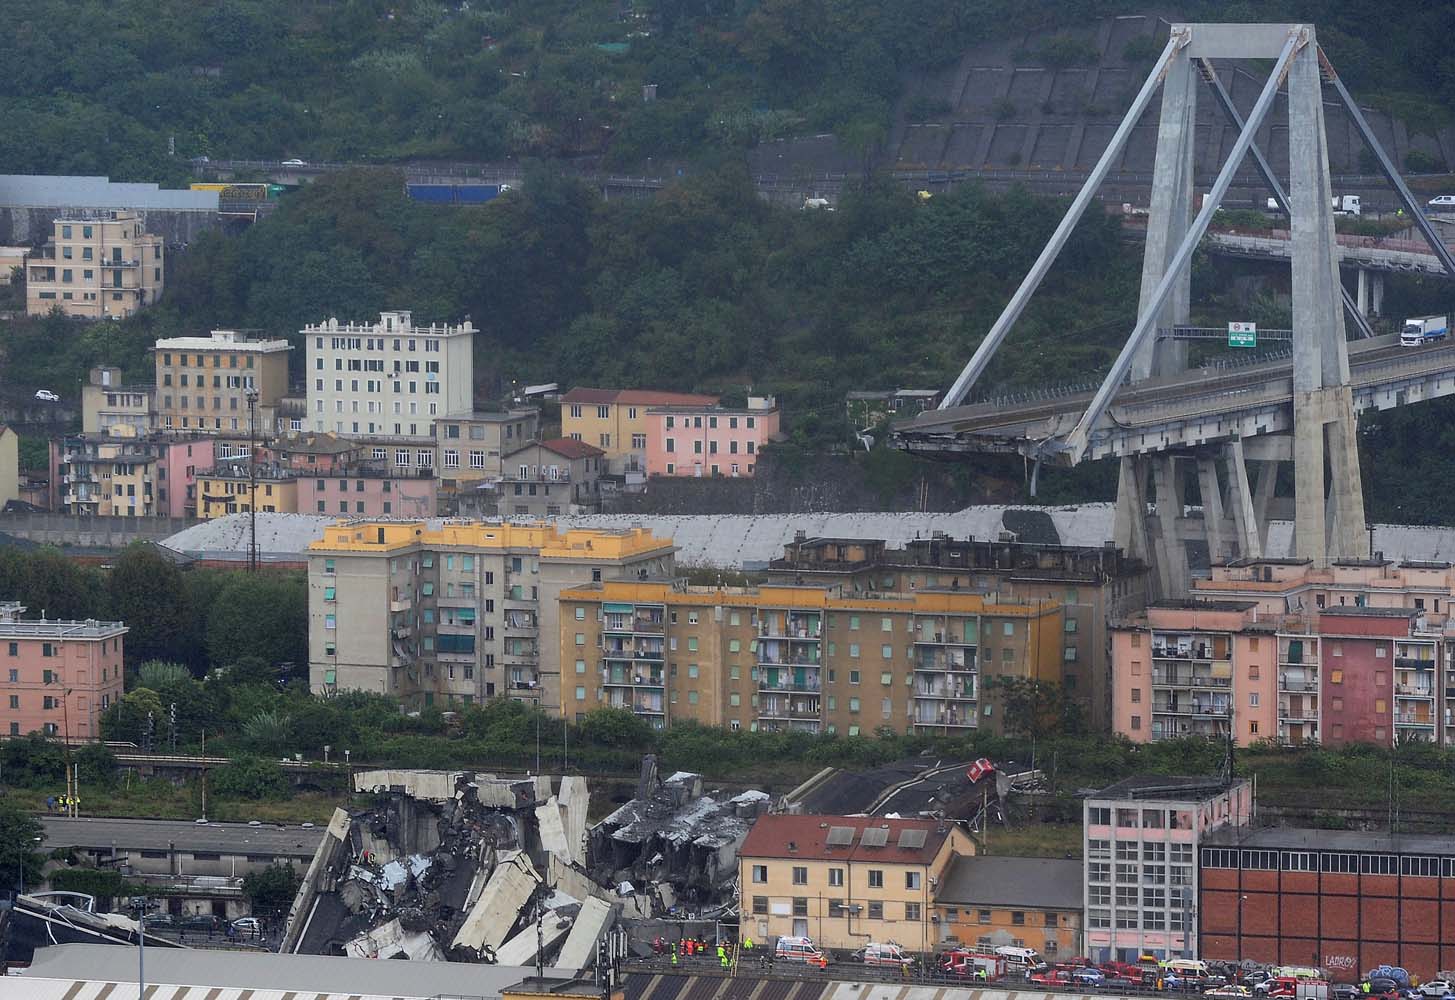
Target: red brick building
{"x":1380,"y":676}
{"x":1345,"y":901}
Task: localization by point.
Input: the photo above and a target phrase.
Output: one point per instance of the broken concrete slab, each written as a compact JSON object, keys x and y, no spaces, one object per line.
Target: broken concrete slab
{"x":522,"y":948}
{"x":575,"y":799}
{"x":498,"y":908}
{"x":391,"y":940}
{"x":580,"y":948}
{"x":552,"y":829}
{"x":432,"y":786}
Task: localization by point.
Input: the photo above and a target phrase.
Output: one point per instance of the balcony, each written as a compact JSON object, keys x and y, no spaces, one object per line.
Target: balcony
{"x":951,"y":718}
{"x":946,"y":692}
{"x":1310,"y":714}
{"x":634,"y":651}
{"x":401,"y":604}
{"x":787,"y":658}
{"x":616,"y":677}
{"x":923,"y":637}
{"x":809,"y":685}
{"x":1171,"y":708}
{"x":1414,"y":691}
{"x":1413,"y":663}
{"x":790,"y":708}
{"x":1196,"y":653}
{"x":944,"y":661}
{"x":797,"y":626}
{"x":649,"y":708}
{"x":1298,"y":684}
{"x":637,"y":624}
{"x":1206,"y":681}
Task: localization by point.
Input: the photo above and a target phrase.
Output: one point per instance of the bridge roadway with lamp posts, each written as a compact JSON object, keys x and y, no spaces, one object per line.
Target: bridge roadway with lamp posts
{"x":1190,"y":408}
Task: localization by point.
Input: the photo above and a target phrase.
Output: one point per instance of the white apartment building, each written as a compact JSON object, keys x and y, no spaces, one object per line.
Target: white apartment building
{"x":1141,"y":841}
{"x":389,"y":379}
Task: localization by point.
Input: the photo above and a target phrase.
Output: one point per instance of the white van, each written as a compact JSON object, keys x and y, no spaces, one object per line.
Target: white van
{"x":883,"y":954}
{"x":1021,"y":959}
{"x":799,"y":949}
{"x":1187,"y":968}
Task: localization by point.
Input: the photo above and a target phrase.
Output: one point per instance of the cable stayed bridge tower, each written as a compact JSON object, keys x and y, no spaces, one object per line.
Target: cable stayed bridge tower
{"x":1227,"y":429}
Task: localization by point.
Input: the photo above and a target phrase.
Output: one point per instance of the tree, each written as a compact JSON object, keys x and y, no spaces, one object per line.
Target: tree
{"x":270,"y":892}
{"x":136,"y":717}
{"x":1031,"y":707}
{"x":616,"y":727}
{"x":145,"y":591}
{"x":33,"y":761}
{"x":20,"y":835}
{"x":250,"y":778}
{"x":260,"y":614}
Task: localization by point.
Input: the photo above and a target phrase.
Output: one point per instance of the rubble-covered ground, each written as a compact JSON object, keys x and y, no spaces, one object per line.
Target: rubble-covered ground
{"x":459,"y":866}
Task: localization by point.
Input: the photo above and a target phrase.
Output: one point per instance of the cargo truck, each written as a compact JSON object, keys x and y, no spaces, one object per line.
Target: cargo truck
{"x":1419,"y":330}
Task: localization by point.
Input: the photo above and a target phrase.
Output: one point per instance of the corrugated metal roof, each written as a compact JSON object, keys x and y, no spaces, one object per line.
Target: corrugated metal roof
{"x":42,"y":190}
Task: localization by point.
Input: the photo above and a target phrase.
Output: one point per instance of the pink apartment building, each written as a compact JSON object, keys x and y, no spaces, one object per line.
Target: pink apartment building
{"x":367,"y":490}
{"x":709,"y":440}
{"x":58,"y":676}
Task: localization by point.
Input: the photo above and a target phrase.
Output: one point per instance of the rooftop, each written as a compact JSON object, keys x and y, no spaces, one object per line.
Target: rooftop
{"x":398,"y":322}
{"x":550,"y":539}
{"x":55,"y":629}
{"x":565,"y":447}
{"x":808,"y":596}
{"x":637,"y":397}
{"x":1035,"y":883}
{"x":316,"y":444}
{"x":223,"y":340}
{"x":1297,"y":839}
{"x":313,"y":975}
{"x":1357,"y":611}
{"x":846,"y":838}
{"x":163,"y":834}
{"x":1163,"y":786}
{"x":491,"y":416}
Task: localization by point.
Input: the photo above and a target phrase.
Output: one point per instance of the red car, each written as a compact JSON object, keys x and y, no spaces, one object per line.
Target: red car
{"x":1052,"y":977}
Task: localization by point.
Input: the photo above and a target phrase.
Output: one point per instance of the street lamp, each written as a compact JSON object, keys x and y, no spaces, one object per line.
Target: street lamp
{"x":139,"y":905}
{"x":20,"y":863}
{"x":252,"y":394}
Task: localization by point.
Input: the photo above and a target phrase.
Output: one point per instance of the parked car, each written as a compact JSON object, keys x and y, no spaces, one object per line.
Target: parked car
{"x":157,"y":920}
{"x":248,"y":926}
{"x":1051,"y":977}
{"x":1436,"y":988}
{"x":1087,"y":976}
{"x":1345,"y":991}
{"x":294,"y":163}
{"x":47,"y":396}
{"x":1228,"y":991}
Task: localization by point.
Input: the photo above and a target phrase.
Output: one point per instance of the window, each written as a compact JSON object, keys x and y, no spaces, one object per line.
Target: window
{"x":760,"y":874}
{"x":982,"y":916}
{"x":1099,"y":816}
{"x":760,"y":903}
{"x":911,"y":911}
{"x":911,"y":880}
{"x":836,"y":877}
{"x":876,"y":878}
{"x":800,"y":906}
{"x":876,"y":911}
{"x":1018,"y":917}
{"x":800,"y":875}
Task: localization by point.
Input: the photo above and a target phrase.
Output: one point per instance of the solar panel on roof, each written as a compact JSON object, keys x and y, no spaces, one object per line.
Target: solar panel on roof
{"x":840,"y":836}
{"x":912,"y":839}
{"x":874,"y":836}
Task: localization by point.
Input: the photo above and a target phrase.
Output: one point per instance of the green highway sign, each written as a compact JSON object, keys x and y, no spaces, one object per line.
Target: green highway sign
{"x":1242,"y":334}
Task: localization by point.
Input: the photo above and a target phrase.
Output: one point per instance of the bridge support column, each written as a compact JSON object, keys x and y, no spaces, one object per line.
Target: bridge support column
{"x":1377,"y":302}
{"x":1240,"y":498}
{"x":1328,"y":490}
{"x":1362,"y":298}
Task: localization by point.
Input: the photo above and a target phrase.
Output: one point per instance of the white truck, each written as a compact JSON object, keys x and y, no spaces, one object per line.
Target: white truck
{"x":1347,"y":204}
{"x":1420,"y":330}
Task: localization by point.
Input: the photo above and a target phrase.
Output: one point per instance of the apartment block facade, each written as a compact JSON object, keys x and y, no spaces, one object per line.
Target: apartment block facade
{"x":471,"y":444}
{"x":97,"y":265}
{"x":846,"y":881}
{"x":789,"y":657}
{"x":59,"y":676}
{"x":1093,"y":586}
{"x":455,"y":612}
{"x":388,"y":379}
{"x":697,"y":440}
{"x":552,"y":477}
{"x":231,"y":488}
{"x":111,"y":408}
{"x":1347,"y":674}
{"x":203,"y":382}
{"x":615,"y":420}
{"x":130,"y":477}
{"x":1142,"y":838}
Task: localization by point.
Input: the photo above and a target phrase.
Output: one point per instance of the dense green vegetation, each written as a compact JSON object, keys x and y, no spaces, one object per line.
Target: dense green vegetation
{"x":386,"y":79}
{"x":197,"y":618}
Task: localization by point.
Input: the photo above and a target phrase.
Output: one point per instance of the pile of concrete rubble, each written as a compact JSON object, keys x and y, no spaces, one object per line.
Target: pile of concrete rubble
{"x":459,"y":866}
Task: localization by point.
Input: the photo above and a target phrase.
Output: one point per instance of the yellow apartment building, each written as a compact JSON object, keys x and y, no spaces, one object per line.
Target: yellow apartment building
{"x":227,"y":489}
{"x":615,"y":420}
{"x":96,"y":265}
{"x":203,"y":382}
{"x":846,"y":881}
{"x":440,"y":613}
{"x":799,"y":657}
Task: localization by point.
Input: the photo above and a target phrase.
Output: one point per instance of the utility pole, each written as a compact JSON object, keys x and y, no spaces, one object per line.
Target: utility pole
{"x":252,"y":394}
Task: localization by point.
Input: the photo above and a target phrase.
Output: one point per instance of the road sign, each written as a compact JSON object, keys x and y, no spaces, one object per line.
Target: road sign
{"x":1242,"y":334}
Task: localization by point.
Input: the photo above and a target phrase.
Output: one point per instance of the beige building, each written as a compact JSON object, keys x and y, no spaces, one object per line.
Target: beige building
{"x":799,"y":657}
{"x":452,"y":613}
{"x":203,"y":382}
{"x":847,"y":881}
{"x":9,"y":466}
{"x":231,"y":488}
{"x":389,"y":379}
{"x":549,"y":478}
{"x":108,"y":407}
{"x":471,"y":444}
{"x":615,"y":420}
{"x":10,"y":259}
{"x":97,"y":264}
